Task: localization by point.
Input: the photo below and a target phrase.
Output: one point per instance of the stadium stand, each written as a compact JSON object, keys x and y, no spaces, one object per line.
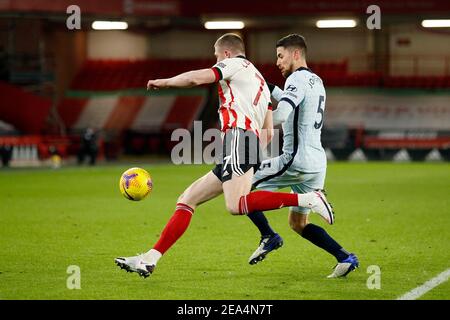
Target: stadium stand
{"x":110,"y":95}
{"x":34,"y":109}
{"x":104,"y":75}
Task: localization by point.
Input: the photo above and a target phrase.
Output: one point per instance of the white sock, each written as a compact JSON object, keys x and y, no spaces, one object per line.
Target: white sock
{"x":152,"y":256}
{"x":306,"y":199}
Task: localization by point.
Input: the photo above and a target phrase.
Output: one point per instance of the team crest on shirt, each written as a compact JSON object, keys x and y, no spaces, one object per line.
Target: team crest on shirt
{"x":221,"y":65}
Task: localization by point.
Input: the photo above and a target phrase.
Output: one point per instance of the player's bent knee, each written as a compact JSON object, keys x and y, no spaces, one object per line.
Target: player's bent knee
{"x":234,"y":211}
{"x":298,"y":225}
{"x":232,"y":208}
{"x":185,"y":199}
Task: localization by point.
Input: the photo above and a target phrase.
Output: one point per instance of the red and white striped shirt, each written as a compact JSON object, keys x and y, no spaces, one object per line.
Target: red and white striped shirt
{"x":243,"y":94}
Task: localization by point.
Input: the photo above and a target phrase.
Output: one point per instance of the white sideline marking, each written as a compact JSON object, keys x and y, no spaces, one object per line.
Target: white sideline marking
{"x":427,"y":286}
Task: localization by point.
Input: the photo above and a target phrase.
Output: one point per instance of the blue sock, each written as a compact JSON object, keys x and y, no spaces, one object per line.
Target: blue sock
{"x":260,"y":221}
{"x":322,"y":239}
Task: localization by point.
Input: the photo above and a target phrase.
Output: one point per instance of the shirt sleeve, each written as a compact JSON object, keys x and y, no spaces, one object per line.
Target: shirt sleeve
{"x":281,"y":113}
{"x":277,"y":93}
{"x":225,"y":69}
{"x":294,"y":91}
{"x":288,"y":99}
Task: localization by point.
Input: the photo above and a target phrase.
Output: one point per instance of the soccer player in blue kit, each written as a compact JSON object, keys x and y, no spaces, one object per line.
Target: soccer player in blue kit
{"x":302,"y":164}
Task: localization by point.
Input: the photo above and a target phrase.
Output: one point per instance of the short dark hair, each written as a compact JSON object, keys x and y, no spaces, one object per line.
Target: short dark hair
{"x":293,"y":40}
{"x":231,"y":41}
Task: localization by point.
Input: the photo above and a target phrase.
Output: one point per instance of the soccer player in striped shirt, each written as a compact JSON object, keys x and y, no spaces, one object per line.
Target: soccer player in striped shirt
{"x":246,"y":119}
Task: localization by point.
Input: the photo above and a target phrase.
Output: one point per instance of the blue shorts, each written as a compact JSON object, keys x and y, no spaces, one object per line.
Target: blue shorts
{"x":274,"y":174}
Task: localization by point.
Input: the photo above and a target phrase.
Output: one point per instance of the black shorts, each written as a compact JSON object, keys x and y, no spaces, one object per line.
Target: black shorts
{"x":240,"y":153}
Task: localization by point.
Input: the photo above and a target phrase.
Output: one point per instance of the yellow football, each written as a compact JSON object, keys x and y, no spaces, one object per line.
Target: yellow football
{"x":135,"y":184}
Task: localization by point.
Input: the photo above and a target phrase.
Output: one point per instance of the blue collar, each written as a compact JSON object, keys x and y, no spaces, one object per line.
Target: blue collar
{"x":303,"y":68}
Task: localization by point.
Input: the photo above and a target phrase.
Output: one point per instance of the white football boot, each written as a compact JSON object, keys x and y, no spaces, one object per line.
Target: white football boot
{"x":135,"y":264}
{"x":345,"y":267}
{"x":320,"y":205}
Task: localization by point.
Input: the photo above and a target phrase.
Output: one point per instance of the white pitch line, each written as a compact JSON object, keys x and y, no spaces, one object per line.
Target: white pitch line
{"x":427,"y":286}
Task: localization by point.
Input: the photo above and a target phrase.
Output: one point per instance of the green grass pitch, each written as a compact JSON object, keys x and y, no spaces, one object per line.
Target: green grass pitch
{"x":395,"y":216}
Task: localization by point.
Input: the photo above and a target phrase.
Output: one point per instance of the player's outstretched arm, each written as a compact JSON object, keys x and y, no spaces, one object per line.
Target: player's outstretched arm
{"x":184,"y":80}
